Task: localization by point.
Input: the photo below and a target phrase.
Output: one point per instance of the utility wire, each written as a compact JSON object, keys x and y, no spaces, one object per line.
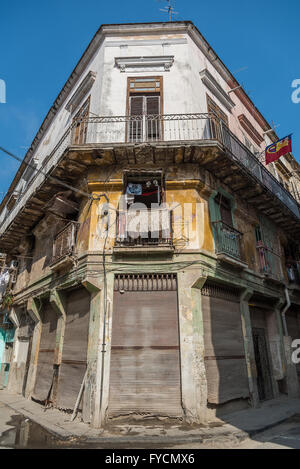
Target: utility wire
{"x":54,"y":179}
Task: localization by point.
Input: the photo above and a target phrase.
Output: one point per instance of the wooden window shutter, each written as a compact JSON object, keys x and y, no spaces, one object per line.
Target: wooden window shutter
{"x":136,"y":105}
{"x":80,"y":130}
{"x":226,"y":215}
{"x":225,"y":209}
{"x":214,"y":108}
{"x":152,"y":105}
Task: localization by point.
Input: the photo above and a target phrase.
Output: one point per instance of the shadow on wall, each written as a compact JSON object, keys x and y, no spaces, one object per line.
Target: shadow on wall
{"x":226,"y":371}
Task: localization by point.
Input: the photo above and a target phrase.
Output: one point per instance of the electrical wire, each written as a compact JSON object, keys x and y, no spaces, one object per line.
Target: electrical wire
{"x":54,"y":179}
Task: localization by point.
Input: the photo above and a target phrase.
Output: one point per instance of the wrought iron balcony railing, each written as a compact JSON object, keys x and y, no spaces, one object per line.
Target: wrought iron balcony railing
{"x":197,"y":127}
{"x":144,"y":227}
{"x":269,"y":262}
{"x":227,"y":240}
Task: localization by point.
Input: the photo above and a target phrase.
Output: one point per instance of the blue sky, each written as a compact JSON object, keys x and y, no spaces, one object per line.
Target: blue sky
{"x":41,"y":42}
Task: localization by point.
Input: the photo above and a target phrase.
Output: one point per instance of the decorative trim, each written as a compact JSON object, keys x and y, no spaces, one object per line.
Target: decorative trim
{"x":211,"y":83}
{"x":142,"y":64}
{"x":251,"y":131}
{"x":81,"y":91}
{"x":146,"y":42}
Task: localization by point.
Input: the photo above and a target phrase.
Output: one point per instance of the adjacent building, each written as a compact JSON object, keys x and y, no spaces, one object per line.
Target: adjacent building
{"x":157,"y":255}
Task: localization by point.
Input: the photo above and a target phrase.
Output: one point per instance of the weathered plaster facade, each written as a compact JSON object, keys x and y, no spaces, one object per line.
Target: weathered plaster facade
{"x":227,"y":258}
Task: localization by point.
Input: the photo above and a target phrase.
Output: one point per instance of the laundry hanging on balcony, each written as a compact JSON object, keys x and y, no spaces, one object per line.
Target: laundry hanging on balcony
{"x":4,"y":280}
{"x":146,"y":192}
{"x":134,"y":189}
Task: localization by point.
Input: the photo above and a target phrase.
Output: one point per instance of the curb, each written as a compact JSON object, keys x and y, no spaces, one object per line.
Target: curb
{"x":229,"y":433}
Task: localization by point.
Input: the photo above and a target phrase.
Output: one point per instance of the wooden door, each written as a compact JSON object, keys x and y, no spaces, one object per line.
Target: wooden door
{"x":144,"y":111}
{"x":264,"y":382}
{"x":145,"y":370}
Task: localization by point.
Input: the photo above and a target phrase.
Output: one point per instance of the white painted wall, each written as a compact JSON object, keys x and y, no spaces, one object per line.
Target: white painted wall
{"x":183,"y":91}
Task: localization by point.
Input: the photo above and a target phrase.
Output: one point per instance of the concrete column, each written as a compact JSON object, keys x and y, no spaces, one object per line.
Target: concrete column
{"x":93,"y":390}
{"x":33,"y":309}
{"x":191,"y":334}
{"x":248,"y":346}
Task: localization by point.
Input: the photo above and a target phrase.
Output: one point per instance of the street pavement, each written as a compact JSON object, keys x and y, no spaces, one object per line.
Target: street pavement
{"x":20,"y":428}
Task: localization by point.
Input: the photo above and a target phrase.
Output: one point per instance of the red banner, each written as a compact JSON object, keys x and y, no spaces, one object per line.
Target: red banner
{"x":278,"y":149}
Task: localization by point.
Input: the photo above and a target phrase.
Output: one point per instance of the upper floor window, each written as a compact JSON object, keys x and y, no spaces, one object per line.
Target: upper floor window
{"x":144,"y":105}
{"x":143,"y":189}
{"x":225,"y":210}
{"x":218,"y":115}
{"x":215,"y":109}
{"x":80,"y":124}
{"x":251,"y":147}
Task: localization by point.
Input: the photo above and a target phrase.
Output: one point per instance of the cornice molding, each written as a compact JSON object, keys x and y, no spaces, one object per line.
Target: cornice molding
{"x":153,"y":63}
{"x":211,"y":83}
{"x":81,"y":91}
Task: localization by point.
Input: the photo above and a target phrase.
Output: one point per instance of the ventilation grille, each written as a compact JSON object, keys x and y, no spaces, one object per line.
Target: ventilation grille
{"x":145,"y":282}
{"x":221,"y":291}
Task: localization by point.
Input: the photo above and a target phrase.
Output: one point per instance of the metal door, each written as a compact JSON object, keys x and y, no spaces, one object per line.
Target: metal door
{"x":145,"y":370}
{"x":74,"y":353}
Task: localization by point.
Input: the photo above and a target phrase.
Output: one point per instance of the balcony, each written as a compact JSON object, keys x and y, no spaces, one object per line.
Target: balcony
{"x":269,"y":263}
{"x":228,"y":243}
{"x":63,"y":248}
{"x":193,"y":138}
{"x":144,"y":230}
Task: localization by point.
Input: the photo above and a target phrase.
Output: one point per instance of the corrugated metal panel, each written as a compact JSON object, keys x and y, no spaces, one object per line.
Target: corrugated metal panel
{"x":44,"y":375}
{"x":145,"y":369}
{"x":74,"y":354}
{"x":224,"y":348}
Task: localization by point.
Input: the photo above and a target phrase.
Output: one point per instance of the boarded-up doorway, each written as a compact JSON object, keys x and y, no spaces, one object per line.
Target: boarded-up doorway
{"x":145,"y":368}
{"x":261,"y":353}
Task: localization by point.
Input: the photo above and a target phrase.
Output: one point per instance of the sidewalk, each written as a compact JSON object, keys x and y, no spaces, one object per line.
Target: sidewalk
{"x":232,"y":429}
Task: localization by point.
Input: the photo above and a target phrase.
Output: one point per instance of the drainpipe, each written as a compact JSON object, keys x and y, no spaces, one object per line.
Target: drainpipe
{"x":288,"y":304}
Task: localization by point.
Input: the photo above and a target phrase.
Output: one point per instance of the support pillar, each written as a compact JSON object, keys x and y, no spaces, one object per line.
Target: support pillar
{"x":92,"y":411}
{"x":191,"y":333}
{"x":248,"y":346}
